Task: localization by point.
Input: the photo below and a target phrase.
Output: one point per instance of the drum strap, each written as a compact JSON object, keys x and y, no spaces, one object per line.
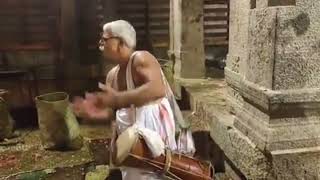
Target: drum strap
{"x":168,"y":161}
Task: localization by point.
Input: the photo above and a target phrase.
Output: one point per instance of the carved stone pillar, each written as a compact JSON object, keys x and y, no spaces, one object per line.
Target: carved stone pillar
{"x":274,"y":83}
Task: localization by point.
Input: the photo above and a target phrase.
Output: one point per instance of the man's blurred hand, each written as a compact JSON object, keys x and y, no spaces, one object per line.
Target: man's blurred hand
{"x":89,"y":108}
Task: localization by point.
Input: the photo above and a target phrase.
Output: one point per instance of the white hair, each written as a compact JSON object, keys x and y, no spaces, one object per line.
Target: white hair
{"x":123,"y":30}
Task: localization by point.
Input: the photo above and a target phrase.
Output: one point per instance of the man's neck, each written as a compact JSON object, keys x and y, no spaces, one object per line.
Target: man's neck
{"x":126,"y":58}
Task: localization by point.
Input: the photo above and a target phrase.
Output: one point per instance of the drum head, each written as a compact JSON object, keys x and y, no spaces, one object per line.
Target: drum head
{"x":125,"y":142}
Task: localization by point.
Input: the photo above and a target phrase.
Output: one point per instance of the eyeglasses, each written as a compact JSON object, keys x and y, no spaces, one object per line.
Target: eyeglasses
{"x":105,"y":39}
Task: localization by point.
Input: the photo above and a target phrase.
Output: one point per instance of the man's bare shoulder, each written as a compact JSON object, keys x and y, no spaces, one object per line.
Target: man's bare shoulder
{"x":144,"y":58}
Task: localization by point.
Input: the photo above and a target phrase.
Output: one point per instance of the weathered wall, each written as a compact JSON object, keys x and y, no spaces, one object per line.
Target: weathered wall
{"x":297,"y":48}
{"x":74,"y":72}
{"x":260,"y":61}
{"x":284,"y":56}
{"x":275,"y":96}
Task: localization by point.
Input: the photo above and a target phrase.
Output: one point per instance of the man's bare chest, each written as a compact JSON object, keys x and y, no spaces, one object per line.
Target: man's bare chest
{"x":122,"y":80}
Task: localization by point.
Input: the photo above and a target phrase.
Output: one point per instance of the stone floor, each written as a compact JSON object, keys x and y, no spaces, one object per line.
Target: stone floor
{"x":207,"y":96}
{"x":24,"y":158}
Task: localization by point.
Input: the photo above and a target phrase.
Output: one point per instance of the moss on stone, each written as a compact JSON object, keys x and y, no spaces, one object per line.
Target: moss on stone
{"x":29,"y":156}
{"x":100,"y":173}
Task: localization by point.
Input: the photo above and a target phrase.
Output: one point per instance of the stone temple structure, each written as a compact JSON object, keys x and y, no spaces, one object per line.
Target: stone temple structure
{"x":261,"y":122}
{"x":273,"y":81}
{"x":266,"y":119}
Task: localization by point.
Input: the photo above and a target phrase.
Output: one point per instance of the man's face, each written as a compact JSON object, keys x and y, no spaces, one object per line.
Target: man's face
{"x":109,"y":45}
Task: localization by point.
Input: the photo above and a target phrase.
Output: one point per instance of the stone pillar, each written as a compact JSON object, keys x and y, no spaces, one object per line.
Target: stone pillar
{"x":187,"y":38}
{"x":274,"y":83}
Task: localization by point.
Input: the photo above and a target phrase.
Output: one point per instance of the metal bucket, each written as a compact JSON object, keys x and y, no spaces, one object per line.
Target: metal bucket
{"x":6,"y":121}
{"x":58,"y":125}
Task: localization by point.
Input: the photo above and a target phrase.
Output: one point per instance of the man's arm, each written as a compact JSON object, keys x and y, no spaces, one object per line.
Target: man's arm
{"x":109,"y":80}
{"x":152,"y":87}
{"x":148,"y":73}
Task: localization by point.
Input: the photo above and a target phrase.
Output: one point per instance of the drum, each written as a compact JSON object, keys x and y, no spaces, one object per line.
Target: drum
{"x":173,"y":165}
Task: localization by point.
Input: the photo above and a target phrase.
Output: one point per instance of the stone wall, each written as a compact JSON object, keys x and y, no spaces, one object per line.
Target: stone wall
{"x":273,"y":85}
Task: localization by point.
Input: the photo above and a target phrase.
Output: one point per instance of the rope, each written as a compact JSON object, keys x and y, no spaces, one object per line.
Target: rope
{"x":173,"y":176}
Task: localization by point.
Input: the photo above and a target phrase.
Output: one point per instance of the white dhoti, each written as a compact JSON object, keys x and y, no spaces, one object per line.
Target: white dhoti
{"x":156,"y":117}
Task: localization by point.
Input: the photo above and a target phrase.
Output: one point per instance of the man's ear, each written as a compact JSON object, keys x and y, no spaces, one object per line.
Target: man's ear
{"x":121,"y":44}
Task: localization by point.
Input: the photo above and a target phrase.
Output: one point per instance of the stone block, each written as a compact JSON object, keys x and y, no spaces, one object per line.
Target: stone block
{"x":238,"y":32}
{"x":239,"y":149}
{"x":280,"y":135}
{"x":297,"y":48}
{"x":281,"y":2}
{"x":296,"y":163}
{"x":269,"y":3}
{"x":261,"y":4}
{"x":262,"y":31}
{"x":233,"y":63}
{"x":284,"y":151}
{"x":275,"y":119}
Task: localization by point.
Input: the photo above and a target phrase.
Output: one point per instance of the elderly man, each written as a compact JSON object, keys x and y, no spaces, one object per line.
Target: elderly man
{"x":136,"y":80}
